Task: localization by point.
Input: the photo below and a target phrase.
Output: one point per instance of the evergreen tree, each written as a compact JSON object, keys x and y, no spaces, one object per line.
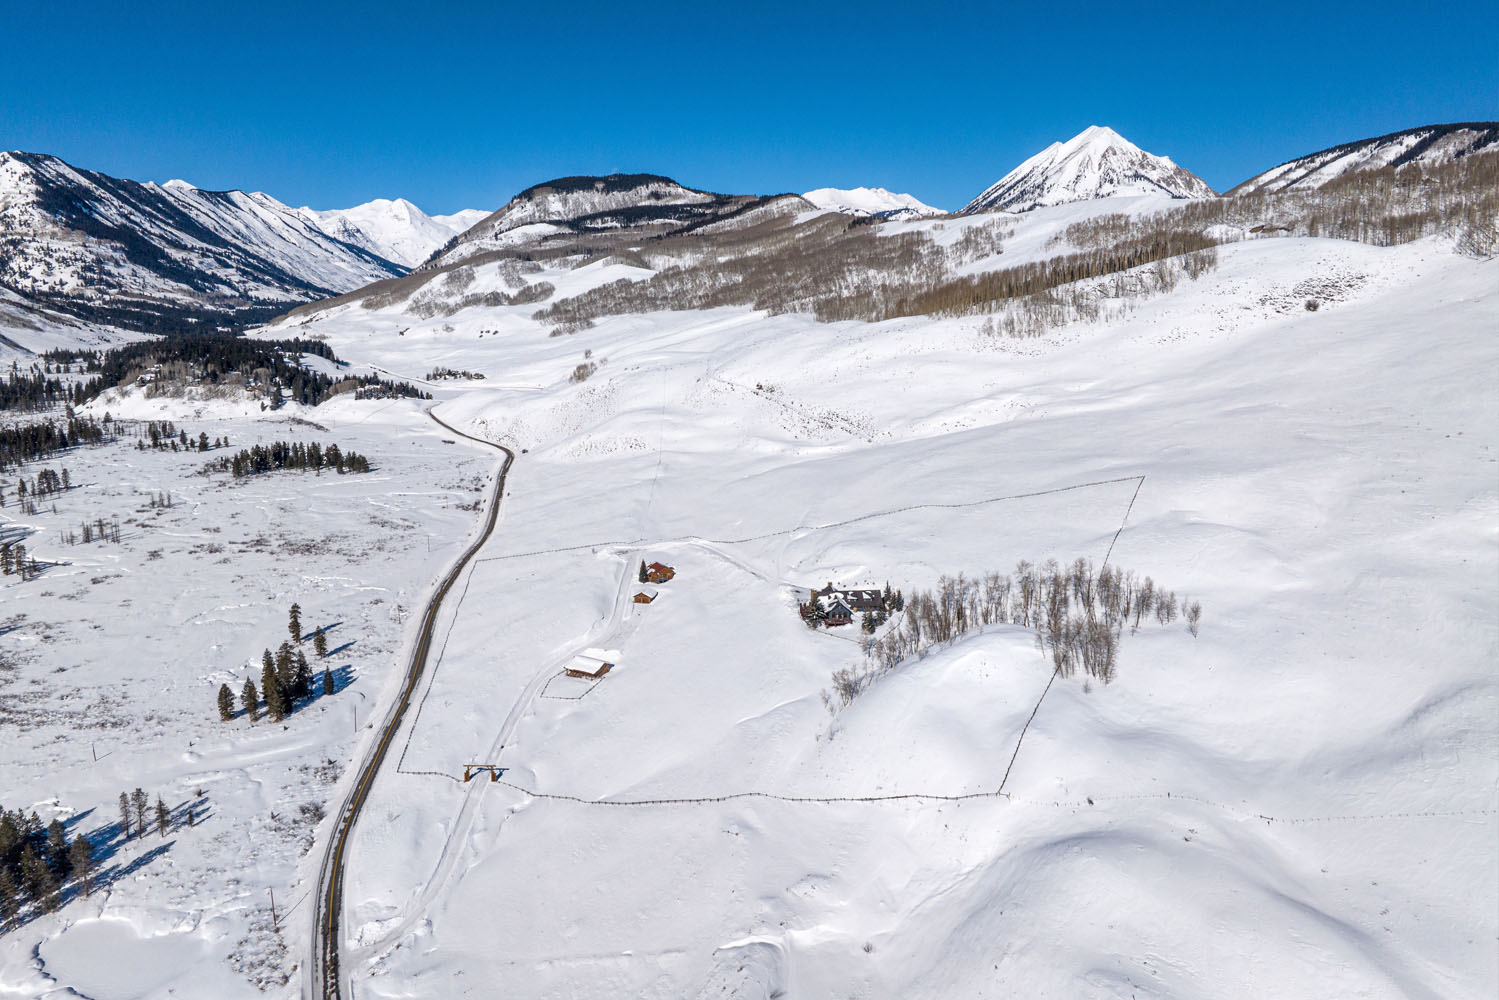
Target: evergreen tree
{"x":250,"y":698}
{"x":10,"y":899}
{"x":643,"y":576}
{"x":57,"y":849}
{"x":303,"y":674}
{"x":81,"y":857}
{"x":320,"y":642}
{"x":294,"y":622}
{"x":139,"y":801}
{"x":327,"y":681}
{"x":226,"y":703}
{"x":125,"y":815}
{"x":270,"y":689}
{"x":163,"y":816}
{"x":286,"y":677}
{"x":37,"y":878}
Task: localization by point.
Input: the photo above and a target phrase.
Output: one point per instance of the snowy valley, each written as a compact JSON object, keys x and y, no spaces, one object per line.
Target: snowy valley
{"x":1277,"y":406}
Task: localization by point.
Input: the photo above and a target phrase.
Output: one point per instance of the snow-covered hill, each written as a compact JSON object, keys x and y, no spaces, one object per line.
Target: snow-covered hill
{"x":1429,"y":145}
{"x":146,"y":256}
{"x":647,"y":202}
{"x":1096,"y":163}
{"x":396,"y":230}
{"x":865,"y":201}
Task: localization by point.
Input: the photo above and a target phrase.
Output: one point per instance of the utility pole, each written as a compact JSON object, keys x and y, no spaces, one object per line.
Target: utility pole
{"x":275,"y":923}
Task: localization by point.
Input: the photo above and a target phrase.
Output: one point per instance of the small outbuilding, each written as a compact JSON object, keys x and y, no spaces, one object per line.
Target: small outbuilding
{"x":587,"y":666}
{"x":645,"y":595}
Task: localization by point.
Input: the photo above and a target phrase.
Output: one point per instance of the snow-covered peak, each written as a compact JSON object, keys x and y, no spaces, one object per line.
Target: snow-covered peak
{"x":867,"y":201}
{"x":461,"y":221}
{"x":178,"y":184}
{"x":1096,"y":163}
{"x":393,"y":228}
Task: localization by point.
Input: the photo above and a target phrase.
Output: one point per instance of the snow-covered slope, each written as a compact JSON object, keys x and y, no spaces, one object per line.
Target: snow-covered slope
{"x":396,"y":230}
{"x":1096,"y":163}
{"x":865,"y":201}
{"x":1429,"y":145}
{"x":592,"y":204}
{"x":148,"y":256}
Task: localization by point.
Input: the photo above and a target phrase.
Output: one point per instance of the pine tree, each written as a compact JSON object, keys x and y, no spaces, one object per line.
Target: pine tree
{"x":125,"y":815}
{"x":57,"y":849}
{"x":139,"y":800}
{"x":320,"y":642}
{"x":303,"y":674}
{"x":37,"y":878}
{"x":643,"y":576}
{"x":250,"y":698}
{"x":286,"y":676}
{"x":81,"y":856}
{"x":10,"y":899}
{"x":327,"y":681}
{"x":270,"y":689}
{"x":226,"y":703}
{"x":294,"y":623}
{"x":163,"y":816}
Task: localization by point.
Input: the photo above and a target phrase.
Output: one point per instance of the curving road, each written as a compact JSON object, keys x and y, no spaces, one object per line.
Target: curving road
{"x":324,"y":974}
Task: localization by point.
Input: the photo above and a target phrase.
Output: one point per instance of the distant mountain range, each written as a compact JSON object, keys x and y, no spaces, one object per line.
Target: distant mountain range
{"x":158,"y":257}
{"x":83,"y":247}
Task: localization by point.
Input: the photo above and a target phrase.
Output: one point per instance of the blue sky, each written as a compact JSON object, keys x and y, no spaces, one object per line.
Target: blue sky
{"x":457,"y":105}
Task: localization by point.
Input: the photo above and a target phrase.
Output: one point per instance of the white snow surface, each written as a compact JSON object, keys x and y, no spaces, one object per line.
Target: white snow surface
{"x":1299,"y":801}
{"x":865,"y":201}
{"x":394,"y":229}
{"x":1096,"y":163}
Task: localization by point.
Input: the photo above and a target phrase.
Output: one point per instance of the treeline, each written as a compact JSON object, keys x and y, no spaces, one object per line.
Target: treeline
{"x":1080,"y":616}
{"x":35,"y":388}
{"x":223,"y":359}
{"x":980,"y":292}
{"x":281,"y":455}
{"x":36,"y":862}
{"x":30,"y":442}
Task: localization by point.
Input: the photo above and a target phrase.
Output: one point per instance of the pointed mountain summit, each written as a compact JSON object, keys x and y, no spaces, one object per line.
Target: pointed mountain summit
{"x":1096,"y":163}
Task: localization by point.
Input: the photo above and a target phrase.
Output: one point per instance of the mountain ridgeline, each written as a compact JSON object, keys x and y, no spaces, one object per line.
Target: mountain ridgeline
{"x":79,"y":246}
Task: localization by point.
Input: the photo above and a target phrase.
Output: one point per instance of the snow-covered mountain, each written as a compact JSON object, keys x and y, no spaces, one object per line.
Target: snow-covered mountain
{"x":1429,"y":145}
{"x":648,"y":202}
{"x":865,"y":201}
{"x":1096,"y":163}
{"x":145,"y":256}
{"x":396,"y":230}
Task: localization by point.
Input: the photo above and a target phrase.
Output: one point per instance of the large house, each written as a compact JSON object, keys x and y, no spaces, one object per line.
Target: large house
{"x":659,"y":573}
{"x":858,"y":601}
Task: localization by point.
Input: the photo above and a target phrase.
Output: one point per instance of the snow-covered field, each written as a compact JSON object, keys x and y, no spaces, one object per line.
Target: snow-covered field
{"x":116,"y":652}
{"x":1300,"y":801}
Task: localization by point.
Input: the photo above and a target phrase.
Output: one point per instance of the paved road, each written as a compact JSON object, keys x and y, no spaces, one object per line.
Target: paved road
{"x":324,"y":974}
